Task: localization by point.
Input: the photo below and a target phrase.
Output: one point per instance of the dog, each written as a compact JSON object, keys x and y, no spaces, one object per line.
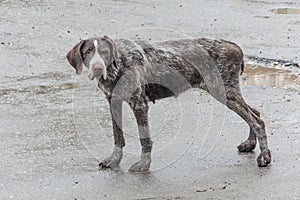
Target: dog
{"x":138,"y":72}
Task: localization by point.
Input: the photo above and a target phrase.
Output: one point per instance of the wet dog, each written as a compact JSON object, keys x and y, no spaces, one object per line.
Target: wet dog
{"x":137,"y":72}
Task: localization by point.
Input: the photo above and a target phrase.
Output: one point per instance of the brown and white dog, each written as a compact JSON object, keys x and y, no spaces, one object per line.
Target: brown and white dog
{"x":137,"y":72}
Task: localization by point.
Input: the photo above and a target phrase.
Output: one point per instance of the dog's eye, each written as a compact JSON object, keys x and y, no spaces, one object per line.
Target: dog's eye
{"x":89,"y":51}
{"x":104,"y":53}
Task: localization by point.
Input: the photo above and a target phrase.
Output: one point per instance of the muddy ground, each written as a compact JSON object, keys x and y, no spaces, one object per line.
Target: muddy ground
{"x":55,"y":127}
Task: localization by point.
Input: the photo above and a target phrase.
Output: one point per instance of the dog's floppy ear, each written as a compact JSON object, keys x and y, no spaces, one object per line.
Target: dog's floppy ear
{"x":113,"y":45}
{"x":74,"y":57}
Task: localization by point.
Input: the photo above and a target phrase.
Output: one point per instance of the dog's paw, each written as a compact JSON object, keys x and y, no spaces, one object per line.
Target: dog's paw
{"x":264,"y":158}
{"x":143,"y":165}
{"x":140,"y":166}
{"x":114,"y":160}
{"x":110,"y":163}
{"x":247,"y":146}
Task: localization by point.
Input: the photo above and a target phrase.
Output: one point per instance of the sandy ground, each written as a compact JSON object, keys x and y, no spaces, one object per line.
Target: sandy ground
{"x":55,"y":127}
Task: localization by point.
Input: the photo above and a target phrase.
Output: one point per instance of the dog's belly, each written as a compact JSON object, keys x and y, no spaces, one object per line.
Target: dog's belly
{"x":156,"y":92}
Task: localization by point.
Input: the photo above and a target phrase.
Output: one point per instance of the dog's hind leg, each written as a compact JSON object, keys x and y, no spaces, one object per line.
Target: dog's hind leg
{"x":236,"y":103}
{"x":250,"y":144}
{"x":116,"y":113}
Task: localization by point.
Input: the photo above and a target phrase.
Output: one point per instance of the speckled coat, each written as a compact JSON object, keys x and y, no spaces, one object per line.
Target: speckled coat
{"x":143,"y":71}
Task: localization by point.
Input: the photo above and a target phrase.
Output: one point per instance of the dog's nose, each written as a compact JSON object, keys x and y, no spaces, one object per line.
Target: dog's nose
{"x":97,"y":71}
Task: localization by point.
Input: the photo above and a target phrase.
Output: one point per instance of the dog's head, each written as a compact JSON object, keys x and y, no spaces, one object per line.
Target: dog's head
{"x":97,"y":54}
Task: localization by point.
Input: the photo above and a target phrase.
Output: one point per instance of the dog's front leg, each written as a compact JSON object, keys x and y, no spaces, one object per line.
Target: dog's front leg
{"x":116,"y":113}
{"x":140,"y":110}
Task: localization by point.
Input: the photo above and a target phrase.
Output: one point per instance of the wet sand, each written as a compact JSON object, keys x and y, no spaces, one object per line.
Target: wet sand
{"x":55,"y":126}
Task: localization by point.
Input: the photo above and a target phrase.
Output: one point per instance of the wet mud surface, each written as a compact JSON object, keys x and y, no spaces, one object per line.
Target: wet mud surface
{"x":55,"y":126}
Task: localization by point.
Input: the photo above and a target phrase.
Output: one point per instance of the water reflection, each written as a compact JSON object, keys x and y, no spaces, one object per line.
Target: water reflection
{"x":266,"y":76}
{"x":286,"y":11}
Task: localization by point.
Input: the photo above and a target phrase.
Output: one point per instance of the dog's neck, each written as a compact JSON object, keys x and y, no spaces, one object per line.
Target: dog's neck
{"x":113,"y":75}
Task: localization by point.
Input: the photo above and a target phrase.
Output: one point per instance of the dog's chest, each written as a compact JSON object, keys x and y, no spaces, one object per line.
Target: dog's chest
{"x":105,"y":89}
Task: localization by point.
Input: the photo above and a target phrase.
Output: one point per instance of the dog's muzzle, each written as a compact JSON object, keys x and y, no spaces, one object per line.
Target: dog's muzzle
{"x":96,"y":71}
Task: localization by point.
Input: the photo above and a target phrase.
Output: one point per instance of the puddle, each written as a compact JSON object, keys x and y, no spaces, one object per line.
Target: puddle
{"x":266,"y":76}
{"x":51,"y":75}
{"x":294,"y":22}
{"x":39,"y":89}
{"x":42,"y":89}
{"x":262,"y":16}
{"x":286,"y":11}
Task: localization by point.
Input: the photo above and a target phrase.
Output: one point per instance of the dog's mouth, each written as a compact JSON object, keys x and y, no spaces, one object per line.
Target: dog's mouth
{"x":97,"y":73}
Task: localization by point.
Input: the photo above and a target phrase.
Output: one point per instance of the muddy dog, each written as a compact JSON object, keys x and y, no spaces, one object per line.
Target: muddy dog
{"x":138,"y":71}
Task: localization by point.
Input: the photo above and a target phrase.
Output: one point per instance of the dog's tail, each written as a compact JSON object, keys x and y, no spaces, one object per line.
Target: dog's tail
{"x":242,"y":67}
